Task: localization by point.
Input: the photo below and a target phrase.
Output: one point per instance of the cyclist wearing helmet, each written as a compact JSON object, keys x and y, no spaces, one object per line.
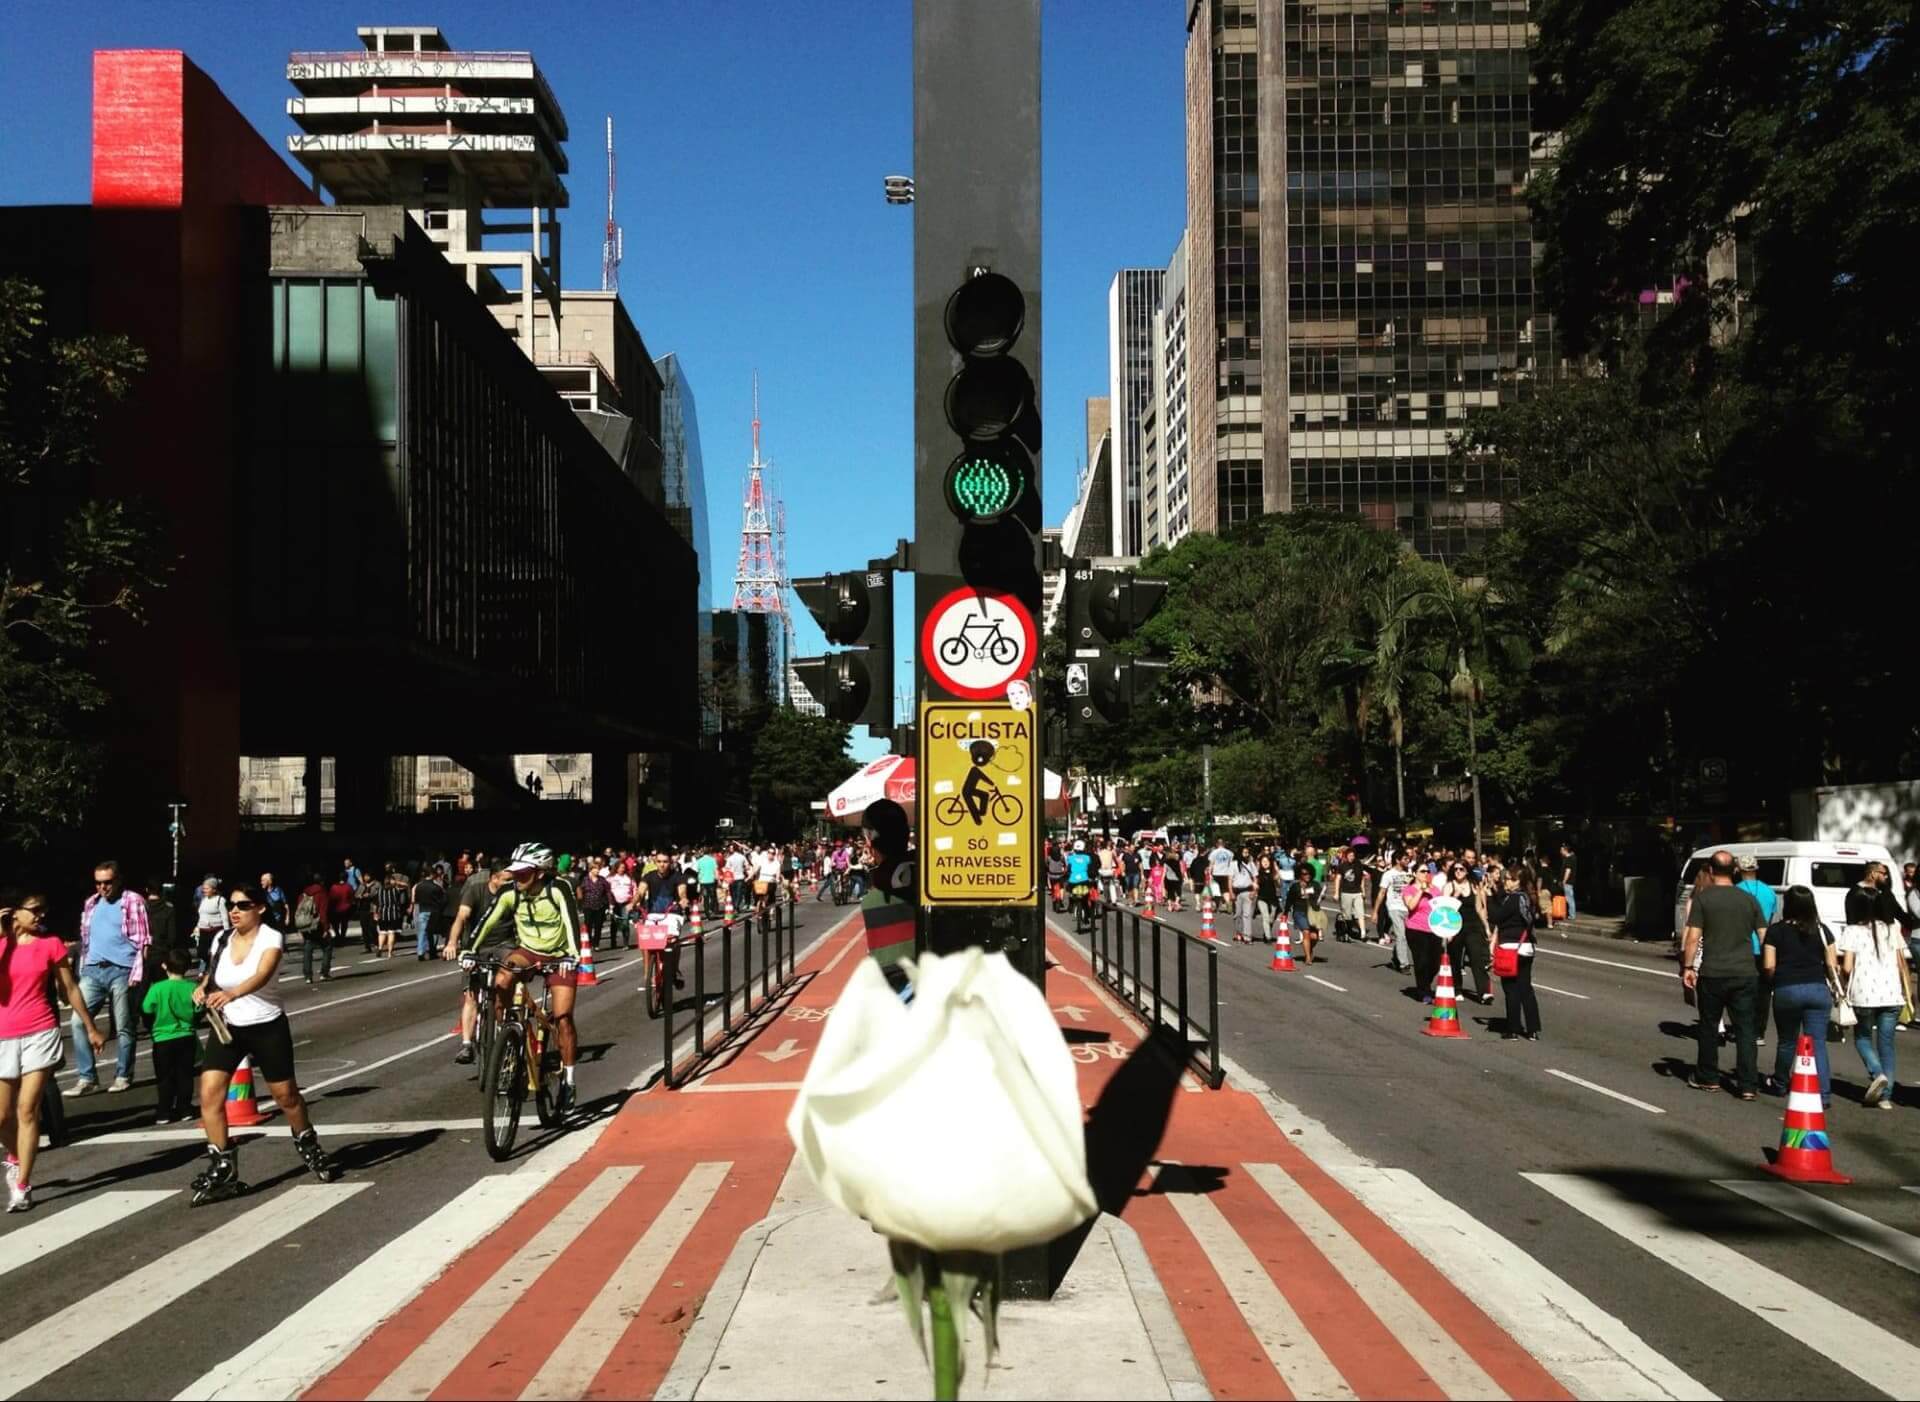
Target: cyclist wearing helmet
{"x":546,"y":931}
{"x":1079,"y":869}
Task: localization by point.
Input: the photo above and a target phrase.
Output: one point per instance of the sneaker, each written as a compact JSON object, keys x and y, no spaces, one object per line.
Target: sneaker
{"x":464,"y":1057}
{"x":1886,"y":1103}
{"x":1876,"y":1088}
{"x":120,"y":1083}
{"x":85,"y":1088}
{"x":13,"y":1170}
{"x":19,"y":1197}
{"x":1695,"y":1083}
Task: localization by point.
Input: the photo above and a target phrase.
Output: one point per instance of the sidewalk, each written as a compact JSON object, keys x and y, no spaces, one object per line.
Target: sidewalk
{"x":687,"y":1256}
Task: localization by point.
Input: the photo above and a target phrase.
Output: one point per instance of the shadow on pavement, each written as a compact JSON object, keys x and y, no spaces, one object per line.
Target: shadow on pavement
{"x":356,"y":1156}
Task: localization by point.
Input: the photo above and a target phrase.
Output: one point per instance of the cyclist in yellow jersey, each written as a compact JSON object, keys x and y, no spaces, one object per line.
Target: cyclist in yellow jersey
{"x":546,"y":932}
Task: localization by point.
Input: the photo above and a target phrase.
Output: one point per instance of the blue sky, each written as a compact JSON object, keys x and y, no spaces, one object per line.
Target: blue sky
{"x":752,"y":141}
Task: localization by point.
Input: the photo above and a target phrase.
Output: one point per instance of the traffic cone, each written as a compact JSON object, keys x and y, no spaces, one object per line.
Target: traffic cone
{"x":1445,"y":1021}
{"x":1805,"y":1156}
{"x":1282,"y":949}
{"x":1206,"y":918}
{"x":726,"y":901}
{"x":693,"y":922}
{"x":241,"y":1109}
{"x":583,"y":974}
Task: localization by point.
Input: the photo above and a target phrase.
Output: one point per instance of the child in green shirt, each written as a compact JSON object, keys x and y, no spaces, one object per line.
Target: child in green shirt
{"x":175,"y":1047}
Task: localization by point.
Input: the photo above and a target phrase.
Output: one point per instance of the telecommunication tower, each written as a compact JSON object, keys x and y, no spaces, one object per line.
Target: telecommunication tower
{"x":758,"y":584}
{"x":616,"y":240}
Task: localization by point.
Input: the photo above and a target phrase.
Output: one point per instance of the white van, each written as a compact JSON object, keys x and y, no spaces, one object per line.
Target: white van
{"x":1829,"y":869}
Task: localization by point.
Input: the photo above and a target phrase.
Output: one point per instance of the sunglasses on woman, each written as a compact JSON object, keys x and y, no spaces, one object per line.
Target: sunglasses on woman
{"x":242,"y":905}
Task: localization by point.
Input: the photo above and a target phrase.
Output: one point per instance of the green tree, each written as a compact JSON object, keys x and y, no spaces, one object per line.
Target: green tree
{"x":797,"y":760}
{"x":74,"y":561}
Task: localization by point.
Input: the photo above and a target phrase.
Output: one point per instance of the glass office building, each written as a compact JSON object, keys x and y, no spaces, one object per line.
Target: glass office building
{"x":683,"y":477}
{"x":1370,"y":257}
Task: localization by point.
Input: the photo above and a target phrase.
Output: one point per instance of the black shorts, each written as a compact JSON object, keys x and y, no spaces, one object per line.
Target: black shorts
{"x":270,"y":1044}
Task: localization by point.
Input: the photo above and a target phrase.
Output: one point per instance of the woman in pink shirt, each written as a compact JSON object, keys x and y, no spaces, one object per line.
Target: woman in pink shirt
{"x":1417,"y":896}
{"x":30,"y":1046}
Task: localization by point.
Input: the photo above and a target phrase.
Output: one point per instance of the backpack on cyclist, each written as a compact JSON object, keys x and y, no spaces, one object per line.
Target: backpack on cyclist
{"x":306,"y":915}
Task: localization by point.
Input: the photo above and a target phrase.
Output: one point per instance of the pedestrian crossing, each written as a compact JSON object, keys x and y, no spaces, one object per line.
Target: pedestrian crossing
{"x":1354,"y":1281}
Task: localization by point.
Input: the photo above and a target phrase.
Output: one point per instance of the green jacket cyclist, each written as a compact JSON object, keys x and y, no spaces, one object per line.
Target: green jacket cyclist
{"x":546,"y":932}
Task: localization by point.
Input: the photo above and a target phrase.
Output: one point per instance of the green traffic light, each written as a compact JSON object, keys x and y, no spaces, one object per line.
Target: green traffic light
{"x":983,"y":489}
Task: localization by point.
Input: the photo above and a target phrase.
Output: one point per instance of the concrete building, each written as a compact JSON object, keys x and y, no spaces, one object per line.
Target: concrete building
{"x":1166,"y":485}
{"x":447,"y":134}
{"x":1132,"y":299}
{"x":392,"y":537}
{"x":1359,"y":253}
{"x":1089,"y":529}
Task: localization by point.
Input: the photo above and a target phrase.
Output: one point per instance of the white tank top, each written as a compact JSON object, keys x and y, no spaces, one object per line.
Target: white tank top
{"x":261,"y":1005}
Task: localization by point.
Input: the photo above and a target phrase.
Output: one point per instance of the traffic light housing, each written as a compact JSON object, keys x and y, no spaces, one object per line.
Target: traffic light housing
{"x":1105,"y":607}
{"x":991,"y":483}
{"x":854,"y":609}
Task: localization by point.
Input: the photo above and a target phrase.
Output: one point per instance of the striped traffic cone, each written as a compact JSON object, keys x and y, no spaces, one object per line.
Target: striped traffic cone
{"x":242,"y":1110}
{"x":583,"y":974}
{"x":693,"y":922}
{"x":1282,"y":949}
{"x":726,"y":901}
{"x":1206,"y":918}
{"x":1445,"y":1021}
{"x":1805,"y":1155}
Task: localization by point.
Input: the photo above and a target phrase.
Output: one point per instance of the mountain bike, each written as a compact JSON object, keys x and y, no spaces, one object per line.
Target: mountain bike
{"x":484,"y":1027}
{"x":522,"y":1059}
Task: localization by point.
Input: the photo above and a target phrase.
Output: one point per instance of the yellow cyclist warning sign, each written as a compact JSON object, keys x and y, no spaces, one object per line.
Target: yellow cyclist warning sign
{"x":978,"y":789}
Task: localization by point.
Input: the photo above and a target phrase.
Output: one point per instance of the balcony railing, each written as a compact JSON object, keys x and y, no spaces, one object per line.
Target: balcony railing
{"x":409,"y":56}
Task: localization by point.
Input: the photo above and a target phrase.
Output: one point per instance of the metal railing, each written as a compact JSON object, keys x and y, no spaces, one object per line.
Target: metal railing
{"x":1157,"y":981}
{"x":738,"y":1003}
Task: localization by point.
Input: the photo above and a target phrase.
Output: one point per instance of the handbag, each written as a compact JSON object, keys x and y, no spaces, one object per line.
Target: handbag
{"x":1506,"y":961}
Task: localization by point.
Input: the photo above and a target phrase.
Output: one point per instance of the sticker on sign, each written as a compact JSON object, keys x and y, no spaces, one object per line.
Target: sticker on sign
{"x":974,"y":644}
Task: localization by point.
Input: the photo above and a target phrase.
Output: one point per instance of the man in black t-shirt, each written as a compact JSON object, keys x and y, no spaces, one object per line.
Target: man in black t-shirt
{"x":1723,"y":927}
{"x":1566,"y":878}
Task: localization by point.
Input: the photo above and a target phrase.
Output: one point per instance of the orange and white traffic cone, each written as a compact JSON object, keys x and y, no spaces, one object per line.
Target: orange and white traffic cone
{"x":1805,"y":1155}
{"x":1206,"y":918}
{"x":242,"y":1110}
{"x":1445,"y":1019}
{"x":583,"y":974}
{"x":726,"y":900}
{"x":1282,"y":949}
{"x":693,"y":922}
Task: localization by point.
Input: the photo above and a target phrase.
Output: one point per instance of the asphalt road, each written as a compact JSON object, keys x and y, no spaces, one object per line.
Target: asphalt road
{"x":375,"y":1052}
{"x":1600,"y":1103}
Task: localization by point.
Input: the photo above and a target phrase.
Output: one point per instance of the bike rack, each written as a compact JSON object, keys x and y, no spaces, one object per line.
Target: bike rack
{"x":739,"y":1005}
{"x":1143,"y":985}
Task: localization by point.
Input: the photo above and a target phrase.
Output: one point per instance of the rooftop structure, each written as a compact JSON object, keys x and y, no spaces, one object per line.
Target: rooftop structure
{"x":445,"y":133}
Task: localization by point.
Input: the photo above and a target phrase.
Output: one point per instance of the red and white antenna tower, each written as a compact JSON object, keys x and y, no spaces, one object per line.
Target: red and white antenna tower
{"x":616,"y":240}
{"x":758,"y":586}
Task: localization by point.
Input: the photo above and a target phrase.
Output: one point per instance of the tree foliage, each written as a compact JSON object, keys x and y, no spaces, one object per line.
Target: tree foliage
{"x":797,"y":759}
{"x":73,"y":561}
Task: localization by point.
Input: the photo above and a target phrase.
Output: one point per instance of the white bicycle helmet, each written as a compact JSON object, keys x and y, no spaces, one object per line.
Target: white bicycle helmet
{"x":1080,"y":844}
{"x":531,"y":856}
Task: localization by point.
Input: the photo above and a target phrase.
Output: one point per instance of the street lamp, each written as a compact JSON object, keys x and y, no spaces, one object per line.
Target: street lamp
{"x":1465,"y":687}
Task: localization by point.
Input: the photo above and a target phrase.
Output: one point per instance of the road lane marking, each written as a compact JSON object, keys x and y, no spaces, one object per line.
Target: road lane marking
{"x":1315,"y":978}
{"x":1611,"y":1094}
{"x":375,"y":1065}
{"x":241,"y":1136}
{"x":1876,"y":1356}
{"x":62,"y":1228}
{"x":85,"y":1325}
{"x":1610,"y":963}
{"x":1854,"y":1228}
{"x":569,"y":1370}
{"x":711,"y":1088}
{"x":1563,"y":992}
{"x":370,"y":993}
{"x":1592,"y":1353}
{"x":1295,"y":1354}
{"x":289,"y":1358}
{"x":440,"y":1352}
{"x":1416,"y":1331}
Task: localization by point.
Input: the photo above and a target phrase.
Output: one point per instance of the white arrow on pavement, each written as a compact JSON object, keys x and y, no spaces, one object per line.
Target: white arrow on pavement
{"x":1077,"y":1014}
{"x":788,"y":1048}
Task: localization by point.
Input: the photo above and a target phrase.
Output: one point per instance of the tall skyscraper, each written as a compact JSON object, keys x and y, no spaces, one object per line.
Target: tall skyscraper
{"x":1359,"y":242}
{"x":1166,"y":504}
{"x":1132,"y":299}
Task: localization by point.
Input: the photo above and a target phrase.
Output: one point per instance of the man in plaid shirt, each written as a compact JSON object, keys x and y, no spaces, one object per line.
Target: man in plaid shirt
{"x":114,"y":935}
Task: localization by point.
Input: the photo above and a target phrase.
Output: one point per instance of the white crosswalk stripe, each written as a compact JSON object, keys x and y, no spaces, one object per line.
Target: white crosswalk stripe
{"x":54,"y":1343}
{"x":1876,"y":1356}
{"x":1854,"y":1228}
{"x":43,"y":1235}
{"x":440,"y":1353}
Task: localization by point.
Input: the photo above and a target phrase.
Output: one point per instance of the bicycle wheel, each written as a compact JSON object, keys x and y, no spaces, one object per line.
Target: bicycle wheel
{"x":546,"y":1095}
{"x":1006,"y":810}
{"x":953,"y":651}
{"x":483,"y":1033}
{"x":656,"y":979}
{"x":505,"y":1088}
{"x":949,"y":811}
{"x":1003,"y":649}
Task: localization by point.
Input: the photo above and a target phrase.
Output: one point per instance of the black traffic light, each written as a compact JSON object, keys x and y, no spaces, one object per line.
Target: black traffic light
{"x":991,"y":484}
{"x":855,"y":610}
{"x":1105,"y":607}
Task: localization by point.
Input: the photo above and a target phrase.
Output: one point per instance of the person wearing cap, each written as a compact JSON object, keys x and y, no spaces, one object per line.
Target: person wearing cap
{"x":887,"y":908}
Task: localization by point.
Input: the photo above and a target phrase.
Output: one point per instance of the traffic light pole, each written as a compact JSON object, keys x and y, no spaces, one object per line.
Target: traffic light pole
{"x":976,"y":168}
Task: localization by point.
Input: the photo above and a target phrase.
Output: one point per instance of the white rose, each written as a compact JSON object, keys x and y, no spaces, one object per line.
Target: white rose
{"x":953,"y":1123}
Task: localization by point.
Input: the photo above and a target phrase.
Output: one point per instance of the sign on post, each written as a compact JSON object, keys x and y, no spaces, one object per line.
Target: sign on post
{"x":979,"y":789}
